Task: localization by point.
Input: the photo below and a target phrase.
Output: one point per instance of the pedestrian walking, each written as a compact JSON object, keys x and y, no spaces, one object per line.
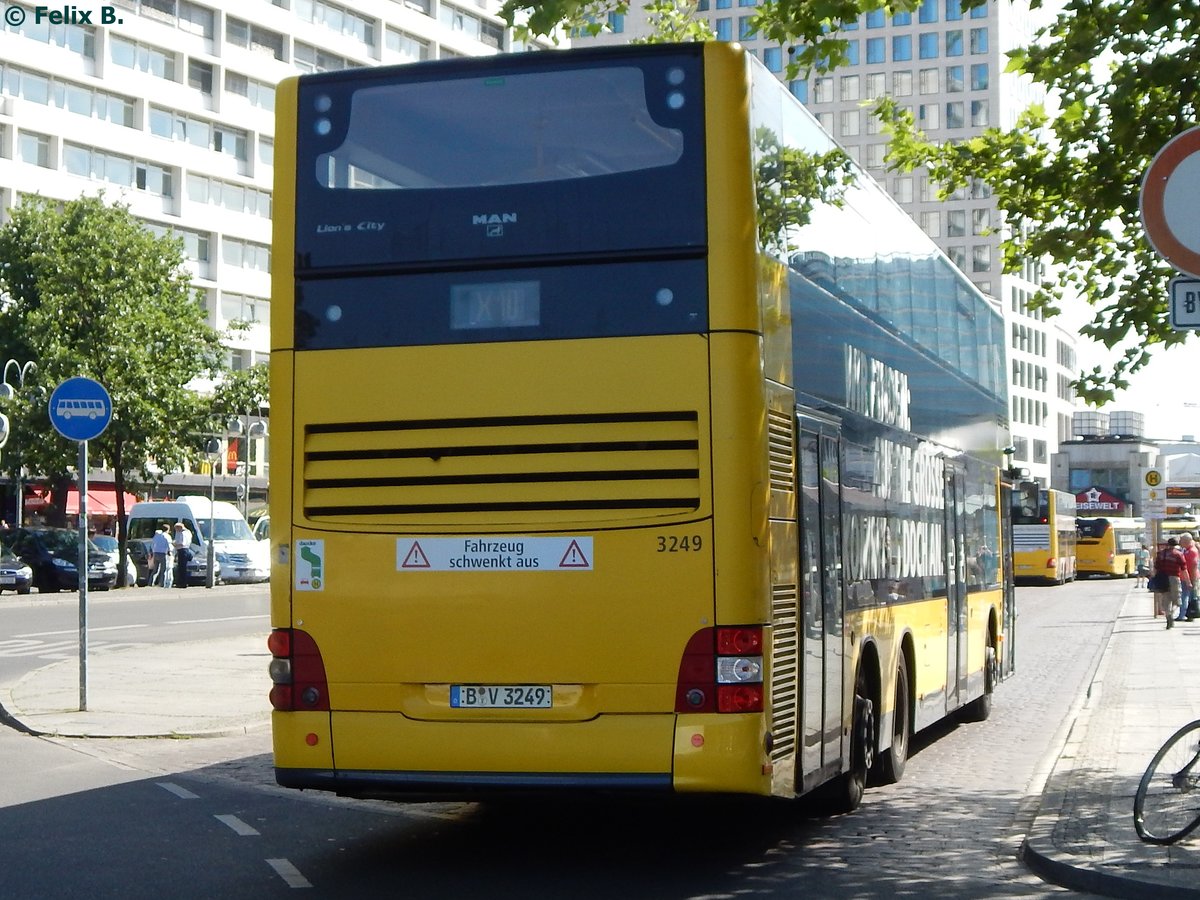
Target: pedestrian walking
{"x":160,"y":547}
{"x":1141,"y":562}
{"x":183,"y":554}
{"x":1188,"y":601}
{"x":1170,"y":569}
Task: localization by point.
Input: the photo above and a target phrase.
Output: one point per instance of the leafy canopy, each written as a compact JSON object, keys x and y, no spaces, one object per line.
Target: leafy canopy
{"x":86,"y":289}
{"x":1126,"y":79}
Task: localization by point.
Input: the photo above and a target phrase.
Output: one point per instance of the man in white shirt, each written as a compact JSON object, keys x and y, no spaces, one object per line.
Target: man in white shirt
{"x":183,"y":554}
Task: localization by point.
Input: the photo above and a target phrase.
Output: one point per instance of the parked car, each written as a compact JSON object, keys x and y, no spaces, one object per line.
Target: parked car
{"x":262,"y":528}
{"x":53,"y":555}
{"x":14,"y":574}
{"x":112,"y":547}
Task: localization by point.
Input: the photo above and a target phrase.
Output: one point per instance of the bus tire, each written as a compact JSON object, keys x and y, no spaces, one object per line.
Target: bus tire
{"x":889,"y":768}
{"x":846,"y":791}
{"x":980,"y":708}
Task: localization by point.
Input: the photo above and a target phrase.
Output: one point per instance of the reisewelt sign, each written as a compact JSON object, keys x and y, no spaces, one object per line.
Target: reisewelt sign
{"x":1098,"y":500}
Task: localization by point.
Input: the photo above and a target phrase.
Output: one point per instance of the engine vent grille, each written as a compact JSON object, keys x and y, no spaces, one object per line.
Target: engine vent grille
{"x":781,"y":450}
{"x":785,"y":669}
{"x":592,"y":466}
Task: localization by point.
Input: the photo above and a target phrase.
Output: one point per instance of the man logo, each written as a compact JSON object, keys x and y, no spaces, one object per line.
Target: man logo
{"x":495,"y":222}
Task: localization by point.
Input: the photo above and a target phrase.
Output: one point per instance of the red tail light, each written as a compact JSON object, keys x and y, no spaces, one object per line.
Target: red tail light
{"x":739,"y":641}
{"x":721,"y":670}
{"x":297,"y":672}
{"x":738,"y":698}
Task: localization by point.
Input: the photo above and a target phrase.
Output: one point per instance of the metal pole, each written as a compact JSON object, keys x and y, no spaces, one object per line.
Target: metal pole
{"x":213,"y":450}
{"x":246,"y":475}
{"x":211,"y":578}
{"x":245,"y":472}
{"x":83,"y":573}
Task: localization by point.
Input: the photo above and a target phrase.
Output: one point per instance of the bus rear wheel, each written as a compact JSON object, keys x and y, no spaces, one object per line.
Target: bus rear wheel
{"x":845,"y":793}
{"x":981,"y":707}
{"x":890,"y":766}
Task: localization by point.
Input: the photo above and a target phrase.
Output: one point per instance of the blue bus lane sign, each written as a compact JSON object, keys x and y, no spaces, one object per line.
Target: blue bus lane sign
{"x":504,"y":553}
{"x":80,"y":409}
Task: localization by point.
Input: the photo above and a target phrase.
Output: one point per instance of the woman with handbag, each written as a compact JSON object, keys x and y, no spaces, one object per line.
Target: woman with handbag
{"x":1170,"y":570}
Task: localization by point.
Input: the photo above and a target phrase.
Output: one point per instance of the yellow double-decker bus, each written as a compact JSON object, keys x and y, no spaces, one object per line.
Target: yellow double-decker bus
{"x":1109,"y":546}
{"x":601,"y":461}
{"x":1044,"y":534}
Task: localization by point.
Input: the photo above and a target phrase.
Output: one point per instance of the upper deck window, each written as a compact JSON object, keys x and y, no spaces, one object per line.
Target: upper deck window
{"x":499,"y":130}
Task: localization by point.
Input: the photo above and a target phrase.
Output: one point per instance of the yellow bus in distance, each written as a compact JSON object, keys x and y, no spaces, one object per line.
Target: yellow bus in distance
{"x":1108,"y":546}
{"x":1175,"y":526}
{"x":568,"y":497}
{"x":1044,"y":535}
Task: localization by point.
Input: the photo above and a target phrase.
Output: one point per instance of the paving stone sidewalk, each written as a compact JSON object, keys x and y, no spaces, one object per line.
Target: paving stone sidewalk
{"x":1146,"y":687}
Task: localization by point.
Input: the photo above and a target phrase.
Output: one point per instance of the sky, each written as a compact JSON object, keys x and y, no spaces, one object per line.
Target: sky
{"x":1166,"y":392}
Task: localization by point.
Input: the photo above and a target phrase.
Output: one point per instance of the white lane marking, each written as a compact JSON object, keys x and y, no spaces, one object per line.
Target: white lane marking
{"x":289,"y":873}
{"x":180,"y":792}
{"x":33,"y":634}
{"x":238,"y":826}
{"x":54,"y":650}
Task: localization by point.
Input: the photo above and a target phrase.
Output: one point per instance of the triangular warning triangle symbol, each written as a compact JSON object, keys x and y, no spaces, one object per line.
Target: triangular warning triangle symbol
{"x":574,"y":558}
{"x":416,"y":558}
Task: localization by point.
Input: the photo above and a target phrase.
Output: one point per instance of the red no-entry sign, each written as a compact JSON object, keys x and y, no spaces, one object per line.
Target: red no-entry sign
{"x":1170,"y":202}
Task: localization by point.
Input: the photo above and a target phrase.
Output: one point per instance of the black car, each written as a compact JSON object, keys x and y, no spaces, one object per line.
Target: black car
{"x":53,"y":555}
{"x":14,"y":574}
{"x":142,"y":559}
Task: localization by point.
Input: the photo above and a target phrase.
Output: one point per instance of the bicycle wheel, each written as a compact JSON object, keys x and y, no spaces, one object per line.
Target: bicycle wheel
{"x":1167,"y":804}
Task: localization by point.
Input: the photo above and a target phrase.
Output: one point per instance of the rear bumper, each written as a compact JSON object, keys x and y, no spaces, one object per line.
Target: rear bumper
{"x":368,"y":785}
{"x":390,"y":756}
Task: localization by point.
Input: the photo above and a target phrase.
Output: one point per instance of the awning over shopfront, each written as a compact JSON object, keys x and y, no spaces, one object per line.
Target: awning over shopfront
{"x":101,"y":500}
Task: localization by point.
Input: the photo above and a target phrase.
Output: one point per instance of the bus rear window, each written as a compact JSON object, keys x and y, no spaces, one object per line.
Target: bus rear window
{"x":498,"y":130}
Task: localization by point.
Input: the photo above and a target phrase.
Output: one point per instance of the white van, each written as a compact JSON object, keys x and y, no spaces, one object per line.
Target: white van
{"x":238,"y":555}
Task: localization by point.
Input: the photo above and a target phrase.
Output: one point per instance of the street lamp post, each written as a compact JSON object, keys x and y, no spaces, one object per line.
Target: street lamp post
{"x":250,"y":430}
{"x":6,"y":393}
{"x":212,"y":450}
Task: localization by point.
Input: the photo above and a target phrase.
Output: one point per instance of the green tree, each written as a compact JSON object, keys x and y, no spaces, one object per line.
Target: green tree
{"x":674,"y":21}
{"x":88,"y":290}
{"x":809,"y":27}
{"x":1127,"y":79}
{"x":241,"y":392}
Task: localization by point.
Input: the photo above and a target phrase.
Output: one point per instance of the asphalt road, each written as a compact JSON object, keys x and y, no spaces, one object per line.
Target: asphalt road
{"x":203,"y":818}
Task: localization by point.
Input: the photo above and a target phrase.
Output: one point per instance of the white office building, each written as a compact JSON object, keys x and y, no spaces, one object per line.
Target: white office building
{"x":947,"y":66}
{"x":168,"y":105}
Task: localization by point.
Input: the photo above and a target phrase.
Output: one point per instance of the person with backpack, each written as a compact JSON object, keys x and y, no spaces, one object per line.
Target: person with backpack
{"x":1170,"y":571}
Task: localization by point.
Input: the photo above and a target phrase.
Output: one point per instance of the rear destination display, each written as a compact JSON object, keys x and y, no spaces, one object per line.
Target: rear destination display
{"x":505,"y":553}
